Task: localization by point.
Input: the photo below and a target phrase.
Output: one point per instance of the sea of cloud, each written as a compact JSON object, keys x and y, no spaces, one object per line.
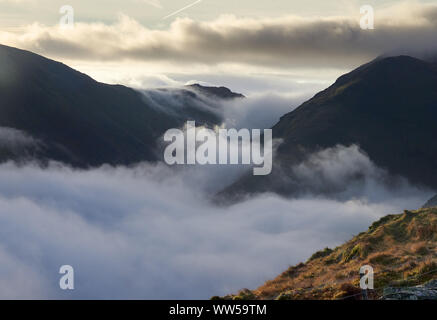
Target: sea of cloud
{"x":150,"y":232}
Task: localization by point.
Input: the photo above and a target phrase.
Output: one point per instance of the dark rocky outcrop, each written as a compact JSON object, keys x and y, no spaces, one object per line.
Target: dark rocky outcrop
{"x":427,"y":291}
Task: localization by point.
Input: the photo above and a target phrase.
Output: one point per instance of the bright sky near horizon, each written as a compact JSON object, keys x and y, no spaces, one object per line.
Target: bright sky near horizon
{"x":151,"y":12}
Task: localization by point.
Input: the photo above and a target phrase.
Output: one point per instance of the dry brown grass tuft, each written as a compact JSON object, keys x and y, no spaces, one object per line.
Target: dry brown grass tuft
{"x":401,"y":248}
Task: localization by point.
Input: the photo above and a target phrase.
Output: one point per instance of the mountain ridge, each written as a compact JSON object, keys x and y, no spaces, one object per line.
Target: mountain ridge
{"x":386,"y":107}
{"x":83,"y":122}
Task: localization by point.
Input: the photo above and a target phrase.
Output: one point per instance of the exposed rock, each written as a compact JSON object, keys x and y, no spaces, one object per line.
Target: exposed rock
{"x":431,"y":202}
{"x":427,"y":291}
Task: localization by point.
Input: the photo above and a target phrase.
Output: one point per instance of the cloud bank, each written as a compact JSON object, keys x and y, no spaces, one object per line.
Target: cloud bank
{"x":258,"y":111}
{"x":148,"y":232}
{"x":287,"y":41}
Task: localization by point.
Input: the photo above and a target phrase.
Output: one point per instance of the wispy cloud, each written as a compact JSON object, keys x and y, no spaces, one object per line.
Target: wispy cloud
{"x":182,"y":9}
{"x":154,"y":3}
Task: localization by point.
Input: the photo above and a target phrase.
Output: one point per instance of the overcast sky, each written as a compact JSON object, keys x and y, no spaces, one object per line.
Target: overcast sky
{"x":281,"y":43}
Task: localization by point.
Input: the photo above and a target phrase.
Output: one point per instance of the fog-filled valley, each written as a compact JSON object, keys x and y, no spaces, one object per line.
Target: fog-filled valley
{"x":150,"y":231}
{"x":83,"y":181}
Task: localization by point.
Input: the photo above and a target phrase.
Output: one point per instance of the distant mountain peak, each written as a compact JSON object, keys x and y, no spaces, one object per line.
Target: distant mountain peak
{"x":218,"y":92}
{"x":387,"y":107}
{"x":428,"y":55}
{"x":86,"y":123}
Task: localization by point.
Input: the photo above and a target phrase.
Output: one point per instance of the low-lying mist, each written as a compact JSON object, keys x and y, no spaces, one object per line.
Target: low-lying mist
{"x":149,"y":231}
{"x":259,"y":111}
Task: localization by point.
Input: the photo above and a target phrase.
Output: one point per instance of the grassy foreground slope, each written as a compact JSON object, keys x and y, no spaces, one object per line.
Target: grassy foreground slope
{"x":401,"y":248}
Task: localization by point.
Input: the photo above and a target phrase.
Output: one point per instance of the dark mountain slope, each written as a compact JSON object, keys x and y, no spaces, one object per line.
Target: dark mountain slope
{"x":78,"y":120}
{"x":83,"y":122}
{"x":387,"y":107}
